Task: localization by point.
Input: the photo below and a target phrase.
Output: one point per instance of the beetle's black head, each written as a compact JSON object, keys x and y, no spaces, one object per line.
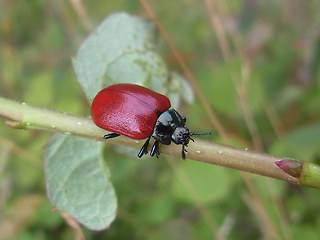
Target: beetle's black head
{"x":181,"y":135}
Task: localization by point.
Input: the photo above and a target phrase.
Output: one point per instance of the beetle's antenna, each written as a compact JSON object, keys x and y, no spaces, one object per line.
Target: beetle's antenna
{"x":207,"y":133}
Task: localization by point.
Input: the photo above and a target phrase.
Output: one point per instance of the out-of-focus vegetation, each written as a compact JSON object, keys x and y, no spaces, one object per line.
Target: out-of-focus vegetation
{"x":257,"y":64}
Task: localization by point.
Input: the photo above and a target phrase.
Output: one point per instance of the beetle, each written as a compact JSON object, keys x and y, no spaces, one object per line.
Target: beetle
{"x":139,"y":113}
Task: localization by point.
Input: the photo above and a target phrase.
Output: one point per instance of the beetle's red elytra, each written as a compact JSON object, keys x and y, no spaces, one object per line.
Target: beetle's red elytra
{"x":138,"y":113}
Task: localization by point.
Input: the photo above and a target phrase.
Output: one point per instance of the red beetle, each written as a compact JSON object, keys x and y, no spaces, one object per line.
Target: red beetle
{"x":138,"y":113}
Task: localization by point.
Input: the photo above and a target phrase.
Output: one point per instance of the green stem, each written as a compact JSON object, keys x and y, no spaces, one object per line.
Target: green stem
{"x":29,"y":117}
{"x":311,"y":175}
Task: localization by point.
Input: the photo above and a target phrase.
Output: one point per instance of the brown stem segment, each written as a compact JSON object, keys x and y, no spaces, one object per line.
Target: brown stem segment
{"x":243,"y":160}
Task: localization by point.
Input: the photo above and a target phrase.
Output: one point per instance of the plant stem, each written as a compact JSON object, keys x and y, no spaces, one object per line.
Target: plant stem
{"x":24,"y":116}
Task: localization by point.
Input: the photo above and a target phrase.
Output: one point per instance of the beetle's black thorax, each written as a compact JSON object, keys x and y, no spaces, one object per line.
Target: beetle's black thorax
{"x":167,"y":122}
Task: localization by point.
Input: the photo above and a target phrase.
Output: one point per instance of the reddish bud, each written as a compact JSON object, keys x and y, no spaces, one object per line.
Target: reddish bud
{"x":291,"y":166}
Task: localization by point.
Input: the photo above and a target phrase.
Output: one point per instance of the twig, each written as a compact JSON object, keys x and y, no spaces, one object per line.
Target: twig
{"x":24,"y":116}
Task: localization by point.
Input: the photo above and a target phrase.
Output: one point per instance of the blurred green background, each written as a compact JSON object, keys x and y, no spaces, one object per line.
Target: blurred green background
{"x":257,"y":63}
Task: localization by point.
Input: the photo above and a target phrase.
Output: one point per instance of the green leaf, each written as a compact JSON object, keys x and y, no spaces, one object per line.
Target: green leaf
{"x":302,"y":143}
{"x":300,"y":231}
{"x":78,"y":181}
{"x":210,"y":183}
{"x":120,"y":50}
{"x":220,"y":86}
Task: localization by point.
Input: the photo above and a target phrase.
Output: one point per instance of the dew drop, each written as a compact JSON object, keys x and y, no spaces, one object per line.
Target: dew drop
{"x":79,"y":123}
{"x":53,"y":126}
{"x":246,"y":149}
{"x":219,"y":151}
{"x":23,"y":103}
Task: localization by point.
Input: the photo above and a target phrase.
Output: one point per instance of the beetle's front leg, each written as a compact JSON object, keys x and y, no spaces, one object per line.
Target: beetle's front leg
{"x":144,"y":149}
{"x":155,"y":149}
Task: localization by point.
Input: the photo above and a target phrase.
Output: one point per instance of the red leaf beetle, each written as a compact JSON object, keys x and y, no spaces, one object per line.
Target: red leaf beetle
{"x":138,"y":113}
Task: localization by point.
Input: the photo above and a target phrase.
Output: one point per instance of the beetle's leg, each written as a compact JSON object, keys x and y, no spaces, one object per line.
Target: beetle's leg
{"x":184,"y":150}
{"x":184,"y":119}
{"x":155,"y":149}
{"x":111,"y":135}
{"x":144,"y":149}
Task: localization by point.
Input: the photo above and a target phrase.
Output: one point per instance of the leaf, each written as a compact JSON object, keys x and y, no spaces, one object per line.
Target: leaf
{"x":220,"y":87}
{"x":302,"y":143}
{"x":210,"y":183}
{"x":78,"y":182}
{"x":120,"y":50}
